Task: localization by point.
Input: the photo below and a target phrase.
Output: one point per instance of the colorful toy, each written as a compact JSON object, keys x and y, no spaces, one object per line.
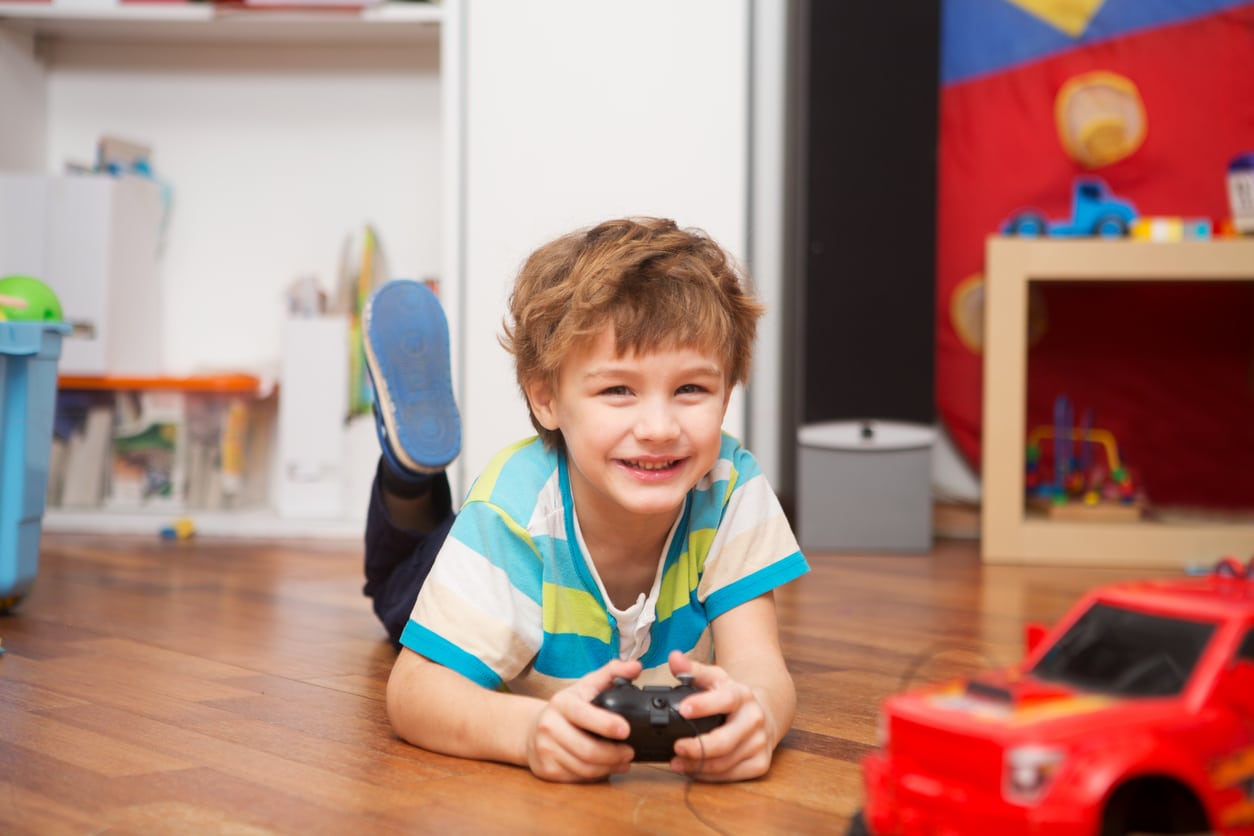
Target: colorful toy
{"x":181,"y":529}
{"x":1171,"y":229}
{"x":40,"y":302}
{"x":1094,"y":211}
{"x":10,"y":302}
{"x":1071,"y":480}
{"x":1241,"y":192}
{"x":1135,"y":714}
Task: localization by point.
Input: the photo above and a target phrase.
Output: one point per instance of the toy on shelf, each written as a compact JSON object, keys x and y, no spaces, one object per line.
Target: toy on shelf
{"x":1171,"y":229}
{"x":1070,"y":484}
{"x":28,"y":299}
{"x":1095,"y":211}
{"x":1241,"y":192}
{"x":1133,"y":714}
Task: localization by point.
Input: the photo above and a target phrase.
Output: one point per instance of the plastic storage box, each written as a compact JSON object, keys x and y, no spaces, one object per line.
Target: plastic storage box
{"x":28,"y":391}
{"x":865,"y":486}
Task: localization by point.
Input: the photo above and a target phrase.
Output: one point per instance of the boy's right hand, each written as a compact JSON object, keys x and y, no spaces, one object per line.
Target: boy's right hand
{"x":561,"y":745}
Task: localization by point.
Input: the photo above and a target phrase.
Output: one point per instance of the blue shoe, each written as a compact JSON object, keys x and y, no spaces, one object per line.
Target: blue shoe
{"x":407,"y":357}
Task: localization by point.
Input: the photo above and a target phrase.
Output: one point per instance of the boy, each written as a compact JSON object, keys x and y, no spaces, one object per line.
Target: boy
{"x":631,"y":538}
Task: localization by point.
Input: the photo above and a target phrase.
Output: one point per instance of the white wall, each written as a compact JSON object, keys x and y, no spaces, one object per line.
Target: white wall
{"x":23,"y":92}
{"x":579,"y":111}
{"x":274,"y":155}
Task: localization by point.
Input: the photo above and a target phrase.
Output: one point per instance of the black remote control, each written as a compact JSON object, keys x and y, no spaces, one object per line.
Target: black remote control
{"x":653,"y":714}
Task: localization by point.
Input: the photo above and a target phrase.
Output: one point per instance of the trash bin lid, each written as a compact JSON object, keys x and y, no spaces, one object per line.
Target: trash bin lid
{"x":869,"y":434}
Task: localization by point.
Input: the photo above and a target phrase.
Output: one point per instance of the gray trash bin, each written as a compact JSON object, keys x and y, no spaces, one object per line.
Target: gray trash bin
{"x":865,"y":486}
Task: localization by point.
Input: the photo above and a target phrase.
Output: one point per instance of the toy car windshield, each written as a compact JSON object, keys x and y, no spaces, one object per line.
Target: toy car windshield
{"x":1127,"y":653}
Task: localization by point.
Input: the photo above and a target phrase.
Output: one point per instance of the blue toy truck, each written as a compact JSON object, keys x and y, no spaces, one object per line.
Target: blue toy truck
{"x":1095,"y":211}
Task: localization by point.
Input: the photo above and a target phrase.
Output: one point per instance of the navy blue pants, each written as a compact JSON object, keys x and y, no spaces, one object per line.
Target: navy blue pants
{"x":398,"y":560}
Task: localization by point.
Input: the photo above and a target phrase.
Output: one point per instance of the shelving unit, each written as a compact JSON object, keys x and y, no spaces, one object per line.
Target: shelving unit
{"x":282,"y":131}
{"x":281,"y":134}
{"x":202,"y":21}
{"x":1009,"y":533}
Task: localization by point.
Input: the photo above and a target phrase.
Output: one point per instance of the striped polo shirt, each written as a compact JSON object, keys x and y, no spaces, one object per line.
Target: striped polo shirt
{"x":511,"y":601}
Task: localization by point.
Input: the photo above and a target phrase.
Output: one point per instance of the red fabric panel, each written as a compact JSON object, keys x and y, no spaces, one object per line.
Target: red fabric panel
{"x":1169,"y":369}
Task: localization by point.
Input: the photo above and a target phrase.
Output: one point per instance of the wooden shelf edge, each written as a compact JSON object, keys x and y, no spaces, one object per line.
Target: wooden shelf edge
{"x":225,"y":384}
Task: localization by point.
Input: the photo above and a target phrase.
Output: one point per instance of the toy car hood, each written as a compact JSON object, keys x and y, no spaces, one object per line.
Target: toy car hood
{"x":1008,"y":705}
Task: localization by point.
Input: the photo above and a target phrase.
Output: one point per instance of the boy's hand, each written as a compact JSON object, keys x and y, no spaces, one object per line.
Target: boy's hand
{"x":739,"y":749}
{"x":561,"y":745}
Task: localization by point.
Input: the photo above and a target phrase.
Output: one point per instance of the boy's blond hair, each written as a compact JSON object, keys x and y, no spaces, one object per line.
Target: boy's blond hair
{"x":658,"y":286}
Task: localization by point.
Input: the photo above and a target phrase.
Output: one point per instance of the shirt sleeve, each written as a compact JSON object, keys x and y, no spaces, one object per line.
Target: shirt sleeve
{"x":479,"y":612}
{"x":754,"y":549}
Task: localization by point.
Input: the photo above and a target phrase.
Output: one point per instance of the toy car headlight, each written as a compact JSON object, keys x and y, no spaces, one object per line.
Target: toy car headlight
{"x":1029,"y":770}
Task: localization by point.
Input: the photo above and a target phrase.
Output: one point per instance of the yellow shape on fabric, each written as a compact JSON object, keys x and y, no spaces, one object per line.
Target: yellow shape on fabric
{"x":1071,"y":16}
{"x":569,"y":610}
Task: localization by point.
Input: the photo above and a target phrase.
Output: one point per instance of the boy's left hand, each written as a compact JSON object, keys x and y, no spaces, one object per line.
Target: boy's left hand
{"x":741,"y":748}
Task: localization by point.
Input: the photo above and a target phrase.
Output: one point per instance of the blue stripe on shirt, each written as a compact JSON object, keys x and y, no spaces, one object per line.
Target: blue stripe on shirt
{"x":440,"y":650}
{"x":764,"y":580}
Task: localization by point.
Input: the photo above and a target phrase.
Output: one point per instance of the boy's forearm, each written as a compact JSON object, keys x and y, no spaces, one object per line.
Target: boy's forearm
{"x":439,"y":710}
{"x":747,"y":639}
{"x":769,"y":679}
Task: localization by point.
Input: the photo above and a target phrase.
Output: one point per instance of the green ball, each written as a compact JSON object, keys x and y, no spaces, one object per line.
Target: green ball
{"x":42,"y":305}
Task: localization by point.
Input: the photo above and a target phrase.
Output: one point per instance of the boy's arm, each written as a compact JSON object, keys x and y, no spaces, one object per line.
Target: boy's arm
{"x":747,"y":646}
{"x":750,"y":683}
{"x":438,"y":709}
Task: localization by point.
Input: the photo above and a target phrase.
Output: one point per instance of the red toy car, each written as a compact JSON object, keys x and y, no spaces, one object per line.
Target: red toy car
{"x":1135,"y":714}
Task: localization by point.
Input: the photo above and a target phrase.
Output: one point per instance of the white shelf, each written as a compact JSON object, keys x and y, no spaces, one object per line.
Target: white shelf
{"x":396,"y":22}
{"x":1009,"y":533}
{"x":242,"y":524}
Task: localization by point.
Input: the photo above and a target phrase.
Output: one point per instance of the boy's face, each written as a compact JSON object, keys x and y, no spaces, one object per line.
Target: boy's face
{"x":640,"y":430}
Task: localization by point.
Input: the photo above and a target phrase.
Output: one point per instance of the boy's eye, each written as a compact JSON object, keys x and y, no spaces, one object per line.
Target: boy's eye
{"x":615,"y":390}
{"x":690,"y":389}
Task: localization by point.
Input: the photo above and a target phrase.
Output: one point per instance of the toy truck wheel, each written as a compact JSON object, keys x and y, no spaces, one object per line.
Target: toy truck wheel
{"x":1110,"y":226}
{"x":1029,"y":224}
{"x":1153,"y":806}
{"x":857,"y":825}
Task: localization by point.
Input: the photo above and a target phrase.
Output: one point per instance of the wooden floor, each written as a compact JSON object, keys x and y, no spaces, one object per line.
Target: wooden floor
{"x":225,"y":687}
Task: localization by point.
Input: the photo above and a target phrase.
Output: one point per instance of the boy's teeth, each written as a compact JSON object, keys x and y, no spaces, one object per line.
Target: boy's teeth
{"x":652,"y":465}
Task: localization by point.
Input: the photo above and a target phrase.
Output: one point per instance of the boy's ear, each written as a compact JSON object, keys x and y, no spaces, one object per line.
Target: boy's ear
{"x":543,"y":406}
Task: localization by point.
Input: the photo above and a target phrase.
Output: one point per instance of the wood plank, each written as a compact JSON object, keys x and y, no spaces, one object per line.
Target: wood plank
{"x":230,"y":686}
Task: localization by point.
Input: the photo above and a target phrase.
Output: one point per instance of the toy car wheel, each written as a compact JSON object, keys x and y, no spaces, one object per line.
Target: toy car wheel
{"x":1110,"y":226}
{"x":1027,"y":224}
{"x":857,"y":825}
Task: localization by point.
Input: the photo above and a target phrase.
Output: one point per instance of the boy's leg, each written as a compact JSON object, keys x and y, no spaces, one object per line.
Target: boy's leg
{"x":407,"y":357}
{"x":398,"y":560}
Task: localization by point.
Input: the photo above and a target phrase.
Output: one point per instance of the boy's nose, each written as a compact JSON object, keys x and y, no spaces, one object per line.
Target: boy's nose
{"x":656,"y":421}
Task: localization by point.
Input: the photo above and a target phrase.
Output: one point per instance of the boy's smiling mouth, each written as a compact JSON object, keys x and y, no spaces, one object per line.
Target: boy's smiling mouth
{"x":651,"y":465}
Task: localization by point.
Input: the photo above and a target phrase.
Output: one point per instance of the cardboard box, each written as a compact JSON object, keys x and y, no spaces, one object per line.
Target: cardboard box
{"x":313,"y":405}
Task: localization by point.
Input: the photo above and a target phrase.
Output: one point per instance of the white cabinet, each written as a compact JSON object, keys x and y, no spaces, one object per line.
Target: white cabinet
{"x":468,"y":132}
{"x":279,"y":137}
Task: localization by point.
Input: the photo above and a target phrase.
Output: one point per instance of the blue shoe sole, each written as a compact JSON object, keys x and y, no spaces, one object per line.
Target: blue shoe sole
{"x":407,"y":356}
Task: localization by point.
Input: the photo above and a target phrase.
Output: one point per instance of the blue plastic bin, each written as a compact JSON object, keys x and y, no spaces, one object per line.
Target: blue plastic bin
{"x":28,"y":392}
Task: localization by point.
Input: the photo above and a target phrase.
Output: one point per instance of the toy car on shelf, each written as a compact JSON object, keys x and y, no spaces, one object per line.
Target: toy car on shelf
{"x":1134,"y":714}
{"x":1095,"y":211}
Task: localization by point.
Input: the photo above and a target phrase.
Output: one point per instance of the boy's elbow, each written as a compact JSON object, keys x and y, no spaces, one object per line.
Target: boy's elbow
{"x":401,"y":689}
